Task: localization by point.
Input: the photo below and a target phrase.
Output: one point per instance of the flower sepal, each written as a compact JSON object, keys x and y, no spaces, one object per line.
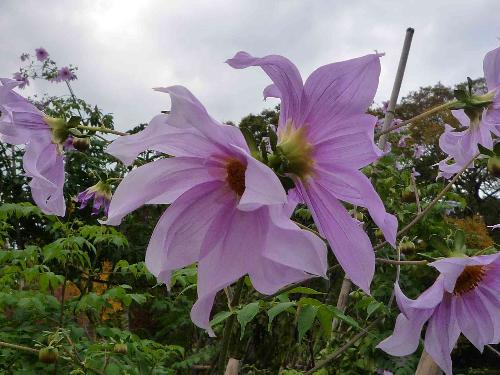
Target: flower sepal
{"x":471,"y":102}
{"x":59,"y":128}
{"x":494,"y":166}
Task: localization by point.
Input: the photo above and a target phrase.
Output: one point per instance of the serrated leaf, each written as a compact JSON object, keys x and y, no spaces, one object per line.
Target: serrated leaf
{"x":74,"y":121}
{"x":246,"y":314}
{"x":460,"y":95}
{"x":274,"y":311}
{"x":306,"y":318}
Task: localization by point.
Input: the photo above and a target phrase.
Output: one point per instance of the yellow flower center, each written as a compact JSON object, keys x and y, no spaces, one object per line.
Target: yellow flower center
{"x":469,"y":279}
{"x":59,"y":129}
{"x":296,"y":149}
{"x":236,"y":176}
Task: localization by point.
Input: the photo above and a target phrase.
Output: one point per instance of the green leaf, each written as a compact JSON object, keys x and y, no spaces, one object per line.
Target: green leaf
{"x":74,"y":121}
{"x":274,"y":311}
{"x":459,"y":243}
{"x":373,"y":306}
{"x":325,"y":318}
{"x":220,"y":317}
{"x":497,"y":149}
{"x":306,"y":318}
{"x":138,"y":298}
{"x":273,"y":138}
{"x":460,"y":95}
{"x":305,"y":301}
{"x":484,"y":150}
{"x":304,"y":290}
{"x":341,"y":316}
{"x":246,"y":314}
{"x":44,"y":282}
{"x":250,"y":140}
{"x":439,"y":244}
{"x":113,"y":369}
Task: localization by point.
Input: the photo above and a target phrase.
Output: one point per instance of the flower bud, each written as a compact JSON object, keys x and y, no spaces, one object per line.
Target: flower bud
{"x":81,"y":143}
{"x":48,"y":355}
{"x":408,"y":195}
{"x":120,"y":348}
{"x":494,"y":166}
{"x":407,"y":246}
{"x":100,"y":194}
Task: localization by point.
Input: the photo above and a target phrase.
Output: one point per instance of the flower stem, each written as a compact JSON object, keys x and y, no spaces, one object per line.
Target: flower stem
{"x":402,"y":262}
{"x":18,"y":347}
{"x":415,"y":189}
{"x":74,"y":98}
{"x":228,"y":328}
{"x":421,"y":116}
{"x":101,"y":129}
{"x":302,"y":226}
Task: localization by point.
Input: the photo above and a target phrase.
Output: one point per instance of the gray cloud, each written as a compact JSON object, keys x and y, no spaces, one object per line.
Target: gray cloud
{"x":124,"y":48}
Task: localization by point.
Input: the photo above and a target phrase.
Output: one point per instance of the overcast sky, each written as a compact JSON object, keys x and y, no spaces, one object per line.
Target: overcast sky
{"x":124,"y":48}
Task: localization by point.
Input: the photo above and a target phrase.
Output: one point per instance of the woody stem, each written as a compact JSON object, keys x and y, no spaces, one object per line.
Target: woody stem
{"x":101,"y":129}
{"x":421,"y":116}
{"x":228,"y":328}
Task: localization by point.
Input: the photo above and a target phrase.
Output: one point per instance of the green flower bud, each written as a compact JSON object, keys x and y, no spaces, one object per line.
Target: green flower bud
{"x":407,"y":246}
{"x":408,"y":195}
{"x":494,"y":166}
{"x":81,"y":143}
{"x":48,"y":355}
{"x":120,"y":348}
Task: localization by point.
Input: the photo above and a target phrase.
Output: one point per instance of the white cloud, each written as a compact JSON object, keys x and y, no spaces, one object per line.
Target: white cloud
{"x":124,"y":48}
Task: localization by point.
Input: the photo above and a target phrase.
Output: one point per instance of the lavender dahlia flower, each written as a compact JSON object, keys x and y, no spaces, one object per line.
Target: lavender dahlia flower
{"x":228,"y":210}
{"x":464,"y":298}
{"x":100,"y":194}
{"x":65,"y":74}
{"x":325,"y":136}
{"x":41,"y":54}
{"x":22,"y":123}
{"x":22,"y":79}
{"x":462,"y":146}
{"x":418,"y":151}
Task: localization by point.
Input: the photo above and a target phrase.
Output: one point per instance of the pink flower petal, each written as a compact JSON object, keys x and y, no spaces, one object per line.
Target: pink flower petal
{"x":349,"y":242}
{"x":161,"y":181}
{"x":285,"y":76}
{"x":339,"y":90}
